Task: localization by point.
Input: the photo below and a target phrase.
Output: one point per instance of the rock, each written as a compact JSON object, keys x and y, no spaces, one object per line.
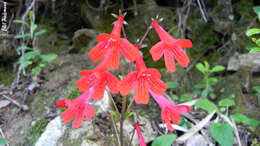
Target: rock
{"x":84,"y":38}
{"x":103,"y":105}
{"x":249,"y":60}
{"x":54,"y":130}
{"x":196,"y":140}
{"x":4,"y":103}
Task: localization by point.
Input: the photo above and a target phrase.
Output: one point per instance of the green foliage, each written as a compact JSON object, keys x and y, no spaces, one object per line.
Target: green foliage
{"x":256,"y":89}
{"x":185,"y":97}
{"x":172,"y":84}
{"x":253,"y":32}
{"x":2,"y":141}
{"x":35,"y":131}
{"x":222,"y":133}
{"x":205,"y":89}
{"x":226,"y":102}
{"x":206,"y":105}
{"x":32,"y":58}
{"x":240,"y":118}
{"x":164,"y":140}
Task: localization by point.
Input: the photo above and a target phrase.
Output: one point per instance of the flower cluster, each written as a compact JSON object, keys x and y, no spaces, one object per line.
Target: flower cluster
{"x":143,"y":81}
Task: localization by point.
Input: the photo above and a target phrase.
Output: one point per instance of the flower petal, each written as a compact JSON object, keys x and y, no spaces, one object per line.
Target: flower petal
{"x":98,"y":51}
{"x":169,"y":61}
{"x":157,"y":86}
{"x":184,"y":43}
{"x":113,"y":58}
{"x":89,"y":112}
{"x":154,"y":73}
{"x":85,"y":72}
{"x":79,"y":117}
{"x":112,"y":83}
{"x":99,"y":89}
{"x":62,"y":103}
{"x":128,"y":50}
{"x":103,"y":37}
{"x":182,"y":109}
{"x":157,"y":51}
{"x":141,"y":92}
{"x":127,"y":84}
{"x":68,"y":115}
{"x":86,"y":82}
{"x":180,"y":56}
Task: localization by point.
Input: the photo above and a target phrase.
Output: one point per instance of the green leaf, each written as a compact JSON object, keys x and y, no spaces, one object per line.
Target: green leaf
{"x":212,"y":80}
{"x":48,"y":57}
{"x":34,"y":27}
{"x":212,"y":95}
{"x":206,"y":105}
{"x":40,"y":32}
{"x":226,"y":102}
{"x":22,"y":36}
{"x":251,"y":46}
{"x":175,"y":97}
{"x":31,"y":16}
{"x":30,"y":55}
{"x":21,"y":22}
{"x":164,"y":140}
{"x":205,"y":93}
{"x":172,"y":84}
{"x":185,"y":97}
{"x":256,"y":89}
{"x":254,"y":50}
{"x":20,"y":48}
{"x":36,"y":70}
{"x":116,"y":114}
{"x":200,"y":67}
{"x":222,"y":133}
{"x":128,"y":114}
{"x":257,"y":10}
{"x":252,"y":31}
{"x":218,"y":68}
{"x":199,"y":86}
{"x":206,"y":65}
{"x":2,"y":141}
{"x":241,"y":118}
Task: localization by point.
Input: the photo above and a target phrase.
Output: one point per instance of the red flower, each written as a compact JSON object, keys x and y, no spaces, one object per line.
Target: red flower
{"x":171,"y":48}
{"x":110,"y":46}
{"x":170,"y":112}
{"x":142,"y":80}
{"x":139,"y":135}
{"x":98,"y":78}
{"x":77,"y":108}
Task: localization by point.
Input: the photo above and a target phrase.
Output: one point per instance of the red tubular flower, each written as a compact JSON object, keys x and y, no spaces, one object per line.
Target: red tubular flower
{"x":142,"y":80}
{"x":171,"y":48}
{"x":110,"y":46}
{"x":77,"y":108}
{"x":139,"y":135}
{"x":98,"y":78}
{"x":170,"y":112}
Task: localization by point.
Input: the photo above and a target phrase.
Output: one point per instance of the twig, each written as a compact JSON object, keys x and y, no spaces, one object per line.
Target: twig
{"x":23,"y":107}
{"x":114,"y":125}
{"x":2,"y":133}
{"x":176,"y":127}
{"x":195,"y":129}
{"x":231,"y":123}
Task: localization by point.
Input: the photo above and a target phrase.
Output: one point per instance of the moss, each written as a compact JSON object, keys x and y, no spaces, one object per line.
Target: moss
{"x":6,"y":77}
{"x":34,"y":132}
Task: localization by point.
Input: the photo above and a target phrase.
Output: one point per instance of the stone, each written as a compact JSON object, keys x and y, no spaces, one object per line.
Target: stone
{"x":248,"y":60}
{"x":196,"y":140}
{"x":53,"y":132}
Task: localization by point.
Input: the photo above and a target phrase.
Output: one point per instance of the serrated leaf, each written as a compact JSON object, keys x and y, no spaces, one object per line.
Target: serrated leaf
{"x":241,"y":118}
{"x":2,"y":141}
{"x":222,"y":133}
{"x":164,"y":140}
{"x":22,"y":36}
{"x":206,"y":105}
{"x":226,"y":102}
{"x":218,"y":68}
{"x":40,"y":32}
{"x":252,"y":31}
{"x":48,"y":57}
{"x":172,"y":84}
{"x":200,"y":67}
